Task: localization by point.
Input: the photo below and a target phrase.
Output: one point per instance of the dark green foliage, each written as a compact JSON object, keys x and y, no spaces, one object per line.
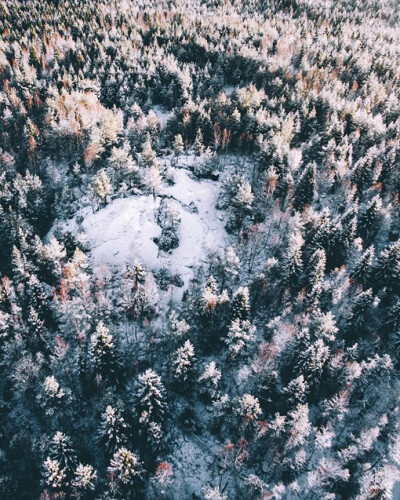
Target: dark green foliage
{"x":305,"y":188}
{"x":277,"y":373}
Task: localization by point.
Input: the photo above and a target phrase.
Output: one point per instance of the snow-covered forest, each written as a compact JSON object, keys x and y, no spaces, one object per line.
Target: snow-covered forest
{"x":199,"y":249}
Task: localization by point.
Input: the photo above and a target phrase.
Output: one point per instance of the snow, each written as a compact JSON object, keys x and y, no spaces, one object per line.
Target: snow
{"x":201,"y":233}
{"x":191,"y":470}
{"x":124,"y":231}
{"x":121,"y":232}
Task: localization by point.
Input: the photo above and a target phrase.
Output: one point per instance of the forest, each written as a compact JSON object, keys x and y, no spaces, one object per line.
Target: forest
{"x":199,"y":249}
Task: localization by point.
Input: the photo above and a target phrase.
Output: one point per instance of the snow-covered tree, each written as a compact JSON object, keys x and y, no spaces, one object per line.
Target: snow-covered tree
{"x":150,"y":397}
{"x":178,"y":145}
{"x":183,"y":360}
{"x":102,"y":351}
{"x":100,"y":188}
{"x":124,"y":469}
{"x":112,"y":429}
{"x":240,"y":334}
{"x":84,"y":478}
{"x":209,"y":380}
{"x":240,"y":305}
{"x":198,"y":145}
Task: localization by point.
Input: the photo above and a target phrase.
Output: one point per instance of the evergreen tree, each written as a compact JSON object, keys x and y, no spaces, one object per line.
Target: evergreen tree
{"x":240,"y":334}
{"x":240,"y":306}
{"x":102,"y":352}
{"x":150,"y":404}
{"x":100,"y":188}
{"x":84,"y":480}
{"x":210,"y":379}
{"x":149,"y":158}
{"x":370,"y":218}
{"x":112,"y":430}
{"x":60,"y":465}
{"x":292,"y":266}
{"x":124,"y":469}
{"x":363,"y":268}
{"x":387,"y":268}
{"x":305,"y":187}
{"x":316,"y":271}
{"x":178,"y":145}
{"x":198,"y":145}
{"x":184,"y":358}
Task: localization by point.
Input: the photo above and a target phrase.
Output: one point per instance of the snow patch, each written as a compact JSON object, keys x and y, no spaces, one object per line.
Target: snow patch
{"x":201,"y":233}
{"x":124,"y":230}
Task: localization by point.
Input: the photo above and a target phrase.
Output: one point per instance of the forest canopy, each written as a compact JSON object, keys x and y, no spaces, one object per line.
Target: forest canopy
{"x":199,"y":249}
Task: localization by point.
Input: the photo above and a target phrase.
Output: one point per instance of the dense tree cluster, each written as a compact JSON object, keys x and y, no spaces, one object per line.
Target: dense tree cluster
{"x":281,"y":362}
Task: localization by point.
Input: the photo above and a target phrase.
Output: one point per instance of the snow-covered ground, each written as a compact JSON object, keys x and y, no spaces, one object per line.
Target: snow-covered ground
{"x":124,"y":231}
{"x":201,"y":233}
{"x":191,"y":470}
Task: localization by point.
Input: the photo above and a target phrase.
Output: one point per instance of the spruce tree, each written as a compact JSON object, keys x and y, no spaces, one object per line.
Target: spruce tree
{"x":363,"y":268}
{"x":305,"y":188}
{"x":198,"y":145}
{"x":240,"y":305}
{"x":178,"y":145}
{"x":183,"y":360}
{"x":150,"y":404}
{"x":112,"y":430}
{"x":102,"y":352}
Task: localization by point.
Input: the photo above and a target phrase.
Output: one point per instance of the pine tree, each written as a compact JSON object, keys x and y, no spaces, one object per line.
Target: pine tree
{"x":296,"y":391}
{"x":230,"y":264}
{"x":150,"y":398}
{"x":240,"y":335}
{"x":52,"y":388}
{"x":369,"y":218}
{"x":178,"y":145}
{"x":359,"y":311}
{"x":178,"y":328}
{"x":54,"y":475}
{"x":102,"y":352}
{"x":112,"y":430}
{"x":36,"y":329}
{"x":348,"y":230}
{"x":316,"y":271}
{"x":292,"y":266}
{"x":183,"y":360}
{"x":124,"y":469}
{"x":236,"y":195}
{"x":387,"y":268}
{"x":305,"y":187}
{"x":312,"y":361}
{"x":298,"y":426}
{"x":100,"y":188}
{"x":149,"y":158}
{"x":210,"y":379}
{"x":152,"y":180}
{"x":363,"y":268}
{"x":62,"y":452}
{"x":84,"y":479}
{"x":240,"y":306}
{"x":364,"y":169}
{"x":198,"y":145}
{"x":248,"y":408}
{"x":123,"y":164}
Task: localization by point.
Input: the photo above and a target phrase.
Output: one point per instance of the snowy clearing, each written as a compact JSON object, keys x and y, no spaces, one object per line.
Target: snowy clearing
{"x":124,"y":231}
